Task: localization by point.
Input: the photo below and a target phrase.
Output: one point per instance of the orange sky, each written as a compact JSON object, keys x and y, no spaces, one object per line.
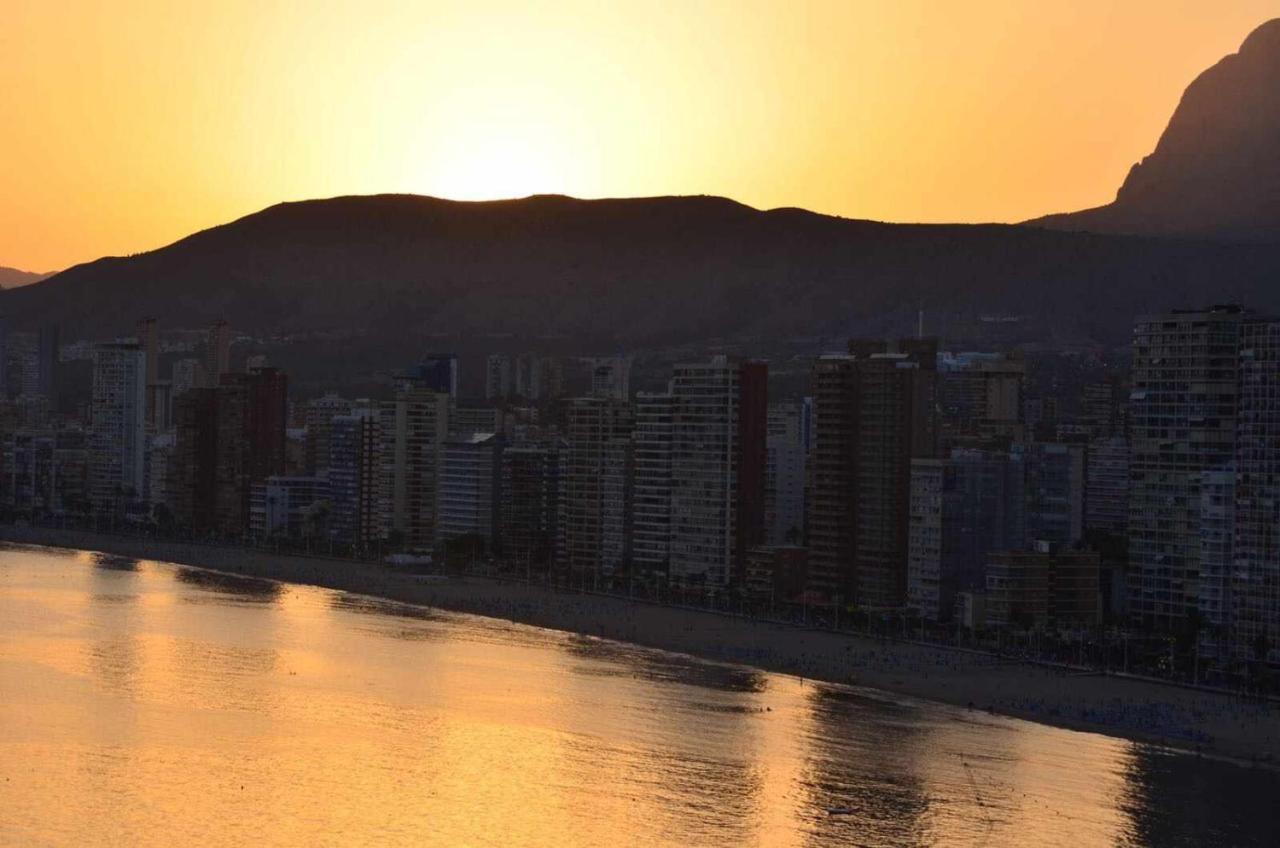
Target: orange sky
{"x":128,"y":124}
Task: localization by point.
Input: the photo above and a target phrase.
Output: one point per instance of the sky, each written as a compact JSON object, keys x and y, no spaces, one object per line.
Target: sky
{"x":126,"y":125}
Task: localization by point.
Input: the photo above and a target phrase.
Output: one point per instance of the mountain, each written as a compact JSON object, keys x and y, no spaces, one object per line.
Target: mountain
{"x":410,"y":273}
{"x":11,"y":278}
{"x":1216,"y":171}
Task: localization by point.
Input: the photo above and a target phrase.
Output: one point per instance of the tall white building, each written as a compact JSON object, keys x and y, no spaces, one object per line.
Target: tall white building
{"x":651,"y":495}
{"x":118,"y":447}
{"x":785,"y":473}
{"x":717,"y":468}
{"x":924,"y":538}
{"x":414,"y":428}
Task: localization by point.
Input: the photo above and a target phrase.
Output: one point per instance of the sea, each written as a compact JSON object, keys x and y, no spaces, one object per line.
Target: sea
{"x":146,"y":703}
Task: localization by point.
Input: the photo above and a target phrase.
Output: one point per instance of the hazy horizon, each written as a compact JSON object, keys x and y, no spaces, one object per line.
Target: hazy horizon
{"x":152,"y":124}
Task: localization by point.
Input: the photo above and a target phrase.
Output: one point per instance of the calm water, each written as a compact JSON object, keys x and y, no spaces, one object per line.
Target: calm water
{"x":151,"y":704}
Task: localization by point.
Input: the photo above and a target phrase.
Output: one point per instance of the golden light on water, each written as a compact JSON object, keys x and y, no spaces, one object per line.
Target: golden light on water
{"x":127,"y":125}
{"x":149,"y":704}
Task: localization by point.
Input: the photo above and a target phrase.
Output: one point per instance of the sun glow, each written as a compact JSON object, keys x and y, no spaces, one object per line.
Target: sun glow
{"x":160,"y":119}
{"x":495,"y":163}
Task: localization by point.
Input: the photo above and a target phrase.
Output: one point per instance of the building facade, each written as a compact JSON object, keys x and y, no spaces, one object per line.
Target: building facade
{"x":718,"y":453}
{"x":119,"y":426}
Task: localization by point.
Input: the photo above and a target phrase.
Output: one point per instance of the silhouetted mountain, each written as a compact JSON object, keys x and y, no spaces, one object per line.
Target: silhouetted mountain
{"x":1216,"y":171}
{"x":12,"y":278}
{"x":405,"y":269}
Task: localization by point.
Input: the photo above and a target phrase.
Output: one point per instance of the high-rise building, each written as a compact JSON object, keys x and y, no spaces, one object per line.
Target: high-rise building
{"x":217,"y":354}
{"x":226,"y":438}
{"x":537,"y":377}
{"x":611,"y":377}
{"x":357,"y":477}
{"x":193,"y":464}
{"x":1102,"y":405}
{"x":651,"y":491}
{"x":232,"y":458}
{"x":1217,"y":492}
{"x":616,"y":476}
{"x":1054,"y":479}
{"x":1182,"y":411}
{"x":497,"y":376}
{"x":28,"y":475}
{"x":470,"y":488}
{"x":1255,"y":585}
{"x":266,"y":418}
{"x":784,"y":486}
{"x":44,"y":472}
{"x":148,"y":333}
{"x":119,"y":441}
{"x":48,"y":362}
{"x":319,"y":417}
{"x":831,"y":475}
{"x":415,"y":427}
{"x":438,"y":372}
{"x":529,"y":503}
{"x":1107,"y":485}
{"x":875,"y":411}
{"x":981,"y":396}
{"x":718,"y":453}
{"x":963,"y":508}
{"x":475,"y":417}
{"x":23,"y":367}
{"x":161,"y":448}
{"x":597,"y":431}
{"x":187,"y":375}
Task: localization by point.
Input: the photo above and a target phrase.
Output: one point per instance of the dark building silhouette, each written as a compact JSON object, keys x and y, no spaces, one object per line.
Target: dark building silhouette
{"x":47,"y":363}
{"x":875,"y":409}
{"x":227,"y":437}
{"x":437,"y":372}
{"x":593,"y":515}
{"x":528,"y":507}
{"x":217,"y":353}
{"x":193,"y":470}
{"x":266,"y":418}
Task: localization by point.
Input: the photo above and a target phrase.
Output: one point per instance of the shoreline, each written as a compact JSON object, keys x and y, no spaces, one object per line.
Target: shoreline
{"x":1200,"y":722}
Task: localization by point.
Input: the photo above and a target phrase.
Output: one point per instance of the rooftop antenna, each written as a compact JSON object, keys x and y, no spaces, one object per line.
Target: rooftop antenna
{"x":920,"y":324}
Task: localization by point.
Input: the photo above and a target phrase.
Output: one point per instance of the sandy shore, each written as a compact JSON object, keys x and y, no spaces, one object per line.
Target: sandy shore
{"x":1215,"y":724}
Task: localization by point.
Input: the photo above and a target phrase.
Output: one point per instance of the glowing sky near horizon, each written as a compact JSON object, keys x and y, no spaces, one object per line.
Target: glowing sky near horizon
{"x":125,"y":125}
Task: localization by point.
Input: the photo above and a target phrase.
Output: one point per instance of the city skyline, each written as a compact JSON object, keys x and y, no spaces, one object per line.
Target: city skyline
{"x":504,"y":426}
{"x":901,"y":112}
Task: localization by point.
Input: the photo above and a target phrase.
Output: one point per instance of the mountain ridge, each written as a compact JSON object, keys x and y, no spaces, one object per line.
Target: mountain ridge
{"x":404,"y":271}
{"x":1215,"y":171}
{"x":631,"y":271}
{"x":14,"y":277}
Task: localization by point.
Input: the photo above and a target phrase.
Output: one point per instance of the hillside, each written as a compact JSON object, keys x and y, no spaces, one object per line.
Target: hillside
{"x":11,"y":278}
{"x":630,"y":272}
{"x":1216,"y":170}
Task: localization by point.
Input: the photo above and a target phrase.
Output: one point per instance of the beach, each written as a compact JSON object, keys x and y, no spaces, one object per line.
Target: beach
{"x":1210,"y":723}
